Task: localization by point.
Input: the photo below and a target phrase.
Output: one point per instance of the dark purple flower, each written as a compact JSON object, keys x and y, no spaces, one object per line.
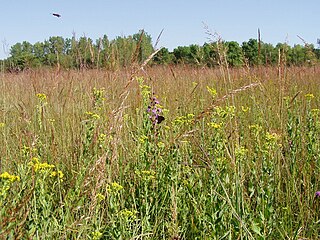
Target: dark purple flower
{"x":154,"y":100}
{"x":154,"y":110}
{"x":317,"y":194}
{"x":160,"y":119}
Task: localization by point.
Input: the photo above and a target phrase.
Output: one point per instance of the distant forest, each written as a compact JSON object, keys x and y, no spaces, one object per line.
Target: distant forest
{"x":121,"y":52}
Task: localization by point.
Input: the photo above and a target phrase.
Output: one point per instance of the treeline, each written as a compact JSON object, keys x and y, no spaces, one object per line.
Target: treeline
{"x":85,"y":53}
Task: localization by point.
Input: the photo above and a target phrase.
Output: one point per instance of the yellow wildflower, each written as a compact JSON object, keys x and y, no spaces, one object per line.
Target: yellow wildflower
{"x":128,"y":214}
{"x":315,"y":111}
{"x":214,"y":125}
{"x":114,"y":187}
{"x":161,"y":145}
{"x":212,"y":91}
{"x":42,"y":97}
{"x":241,"y":151}
{"x":100,"y":197}
{"x":57,"y":173}
{"x":143,"y":139}
{"x":51,"y":120}
{"x":146,"y":174}
{"x":60,"y":173}
{"x":309,"y":96}
{"x":93,"y":115}
{"x":245,"y":109}
{"x":255,"y":127}
{"x":11,"y":178}
{"x":96,"y":235}
{"x":194,"y":84}
{"x":184,"y":119}
{"x":38,"y":166}
{"x":272,"y":137}
{"x":102,"y":137}
{"x":145,"y":89}
{"x":42,"y":166}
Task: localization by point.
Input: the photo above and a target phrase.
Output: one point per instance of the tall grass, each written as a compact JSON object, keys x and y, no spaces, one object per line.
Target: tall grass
{"x":237,"y":156}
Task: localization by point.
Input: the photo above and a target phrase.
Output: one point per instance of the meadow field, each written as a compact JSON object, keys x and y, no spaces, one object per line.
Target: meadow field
{"x":168,"y":152}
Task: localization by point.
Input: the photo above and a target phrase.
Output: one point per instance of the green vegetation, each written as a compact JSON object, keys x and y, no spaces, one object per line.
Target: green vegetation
{"x":219,"y":141}
{"x":125,"y":51}
{"x":234,"y":155}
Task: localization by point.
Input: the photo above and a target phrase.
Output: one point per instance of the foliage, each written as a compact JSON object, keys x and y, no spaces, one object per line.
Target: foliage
{"x":234,"y":54}
{"x":191,"y":154}
{"x":125,"y":51}
{"x":81,"y":53}
{"x":250,"y":51}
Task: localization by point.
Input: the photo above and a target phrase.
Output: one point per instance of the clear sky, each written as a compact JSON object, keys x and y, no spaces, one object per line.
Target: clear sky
{"x":182,"y":20}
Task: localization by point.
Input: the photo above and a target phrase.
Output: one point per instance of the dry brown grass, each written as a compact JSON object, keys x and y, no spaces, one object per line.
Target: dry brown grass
{"x":182,"y":90}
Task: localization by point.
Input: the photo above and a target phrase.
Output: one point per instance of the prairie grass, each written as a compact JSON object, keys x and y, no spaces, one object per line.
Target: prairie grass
{"x":237,"y":156}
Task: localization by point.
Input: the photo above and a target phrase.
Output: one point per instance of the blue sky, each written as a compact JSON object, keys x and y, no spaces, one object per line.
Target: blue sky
{"x":182,"y":20}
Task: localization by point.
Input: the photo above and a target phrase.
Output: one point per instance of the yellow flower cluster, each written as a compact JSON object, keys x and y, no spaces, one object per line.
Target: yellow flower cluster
{"x":143,"y":139}
{"x":272,"y":137}
{"x":9,"y":177}
{"x":315,"y":111}
{"x":102,"y":137}
{"x":45,"y":168}
{"x":96,"y":235}
{"x":212,"y":91}
{"x":38,"y":166}
{"x":255,"y":128}
{"x":100,"y":197}
{"x":51,"y":120}
{"x":42,"y":97}
{"x":99,"y":94}
{"x":228,"y":111}
{"x":161,"y":144}
{"x":241,"y":152}
{"x":214,"y":125}
{"x":146,"y":174}
{"x":114,"y":187}
{"x":184,"y":119}
{"x":27,"y":151}
{"x":272,"y":140}
{"x":57,"y":173}
{"x":309,"y":96}
{"x":245,"y":109}
{"x":145,"y":89}
{"x":93,"y":115}
{"x":128,"y":214}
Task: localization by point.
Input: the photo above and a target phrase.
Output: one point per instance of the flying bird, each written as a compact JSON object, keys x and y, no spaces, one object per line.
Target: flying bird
{"x":56,"y":15}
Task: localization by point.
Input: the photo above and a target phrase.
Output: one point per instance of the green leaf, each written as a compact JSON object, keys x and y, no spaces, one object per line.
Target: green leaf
{"x":255,"y":228}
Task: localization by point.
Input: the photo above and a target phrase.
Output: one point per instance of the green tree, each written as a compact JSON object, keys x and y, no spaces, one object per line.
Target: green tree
{"x":285,"y":53}
{"x":163,"y":57}
{"x":83,"y":52}
{"x":210,"y":54}
{"x":21,"y":55}
{"x":39,"y":53}
{"x":250,"y":51}
{"x":123,"y":49}
{"x":182,"y":54}
{"x":105,"y":54}
{"x":144,"y":44}
{"x":269,"y":54}
{"x":317,"y":53}
{"x":196,"y":56}
{"x":311,"y":56}
{"x":298,"y":55}
{"x":234,"y":54}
